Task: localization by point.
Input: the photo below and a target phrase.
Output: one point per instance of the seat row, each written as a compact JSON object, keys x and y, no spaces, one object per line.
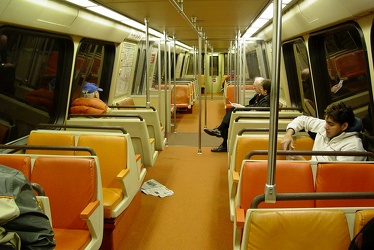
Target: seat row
{"x":134,"y":124}
{"x":122,"y":172}
{"x":74,"y":202}
{"x":301,"y":177}
{"x":182,"y":95}
{"x":312,"y":229}
{"x":245,"y":143}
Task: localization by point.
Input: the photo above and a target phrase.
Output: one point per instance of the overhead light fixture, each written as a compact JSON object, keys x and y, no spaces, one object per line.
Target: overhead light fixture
{"x":82,"y":3}
{"x":263,"y":19}
{"x":107,"y":12}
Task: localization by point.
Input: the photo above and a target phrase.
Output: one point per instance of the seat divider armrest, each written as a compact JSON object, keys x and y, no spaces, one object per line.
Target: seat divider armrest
{"x":89,"y":209}
{"x":123,"y":174}
{"x":240,"y":217}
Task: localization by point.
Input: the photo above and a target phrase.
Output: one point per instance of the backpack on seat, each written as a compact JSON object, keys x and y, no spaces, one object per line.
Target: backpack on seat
{"x":20,"y":215}
{"x":364,"y":240}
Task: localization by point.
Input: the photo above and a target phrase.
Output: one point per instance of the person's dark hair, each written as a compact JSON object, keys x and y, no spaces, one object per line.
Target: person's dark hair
{"x":266,"y":85}
{"x":340,"y":113}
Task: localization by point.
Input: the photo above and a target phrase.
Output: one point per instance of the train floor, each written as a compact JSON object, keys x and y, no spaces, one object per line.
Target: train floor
{"x":196,"y":216}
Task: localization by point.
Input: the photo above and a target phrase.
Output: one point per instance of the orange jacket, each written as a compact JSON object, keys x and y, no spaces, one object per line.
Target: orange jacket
{"x":88,"y":106}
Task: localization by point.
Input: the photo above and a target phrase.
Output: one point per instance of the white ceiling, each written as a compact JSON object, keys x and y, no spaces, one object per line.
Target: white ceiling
{"x":219,"y":20}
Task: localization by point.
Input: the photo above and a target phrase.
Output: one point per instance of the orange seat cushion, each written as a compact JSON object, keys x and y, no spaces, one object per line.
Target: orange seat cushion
{"x":71,"y":239}
{"x":112,"y":197}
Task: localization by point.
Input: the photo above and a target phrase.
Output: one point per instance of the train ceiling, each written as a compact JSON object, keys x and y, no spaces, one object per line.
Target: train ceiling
{"x":219,"y":20}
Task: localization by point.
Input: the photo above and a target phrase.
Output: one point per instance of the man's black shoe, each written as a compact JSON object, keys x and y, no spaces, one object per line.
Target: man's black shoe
{"x":220,"y":148}
{"x":213,"y":132}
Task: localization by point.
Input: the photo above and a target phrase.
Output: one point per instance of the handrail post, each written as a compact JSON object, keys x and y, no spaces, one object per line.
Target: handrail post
{"x":270,"y":187}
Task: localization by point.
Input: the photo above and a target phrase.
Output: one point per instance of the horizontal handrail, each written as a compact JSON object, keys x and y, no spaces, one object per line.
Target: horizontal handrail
{"x":305,"y":152}
{"x":105,"y":115}
{"x":64,"y":126}
{"x":243,"y":117}
{"x":314,"y":196}
{"x":40,"y":147}
{"x":132,"y":106}
{"x":264,"y":109}
{"x":244,"y":130}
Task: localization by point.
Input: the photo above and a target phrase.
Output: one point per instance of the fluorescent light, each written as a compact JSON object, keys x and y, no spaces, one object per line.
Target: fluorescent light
{"x":268,"y":13}
{"x":134,"y":24}
{"x":259,"y":22}
{"x":107,"y":12}
{"x":82,"y":3}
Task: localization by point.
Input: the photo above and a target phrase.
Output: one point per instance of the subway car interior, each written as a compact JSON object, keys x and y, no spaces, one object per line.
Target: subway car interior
{"x":111,"y":117}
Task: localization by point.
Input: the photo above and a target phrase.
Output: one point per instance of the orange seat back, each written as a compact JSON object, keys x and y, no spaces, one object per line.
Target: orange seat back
{"x":112,"y":153}
{"x":70,"y":184}
{"x":50,"y":139}
{"x":182,"y":94}
{"x":291,"y":230}
{"x":345,"y":177}
{"x":291,"y":177}
{"x":21,"y":163}
{"x":247,"y":144}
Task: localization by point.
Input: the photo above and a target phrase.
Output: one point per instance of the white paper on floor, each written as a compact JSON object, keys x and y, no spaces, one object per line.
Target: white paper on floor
{"x":153,"y":187}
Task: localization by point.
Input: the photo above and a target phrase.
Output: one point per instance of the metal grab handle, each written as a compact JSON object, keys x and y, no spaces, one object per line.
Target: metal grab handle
{"x":314,"y":196}
{"x":34,"y":147}
{"x":105,"y":115}
{"x":131,"y":106}
{"x":305,"y":152}
{"x":46,"y":125}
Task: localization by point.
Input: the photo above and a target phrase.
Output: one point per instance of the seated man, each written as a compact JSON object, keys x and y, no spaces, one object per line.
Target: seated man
{"x":260,"y":99}
{"x":89,"y":103}
{"x":337,"y":132}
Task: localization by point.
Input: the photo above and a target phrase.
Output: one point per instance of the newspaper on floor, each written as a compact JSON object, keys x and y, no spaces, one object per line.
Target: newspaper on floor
{"x":153,"y":187}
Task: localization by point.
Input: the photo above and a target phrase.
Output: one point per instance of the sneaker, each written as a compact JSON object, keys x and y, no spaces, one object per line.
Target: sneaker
{"x":220,"y":148}
{"x":213,"y":132}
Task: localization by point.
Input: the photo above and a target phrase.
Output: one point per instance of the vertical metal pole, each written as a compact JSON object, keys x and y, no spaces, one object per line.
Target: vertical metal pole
{"x":206,"y":77}
{"x":159,"y":74}
{"x":167,"y":101}
{"x":194,"y":67}
{"x":243,"y":71}
{"x":200,"y":102}
{"x":270,"y":188}
{"x":237,"y":51}
{"x":147,"y":57}
{"x":175,"y":88}
{"x":211,"y":73}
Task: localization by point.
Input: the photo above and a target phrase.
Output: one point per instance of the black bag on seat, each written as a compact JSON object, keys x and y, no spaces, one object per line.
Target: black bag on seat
{"x":364,"y":240}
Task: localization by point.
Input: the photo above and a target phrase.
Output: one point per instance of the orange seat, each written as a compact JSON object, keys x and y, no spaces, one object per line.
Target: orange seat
{"x":71,"y":186}
{"x":361,"y":218}
{"x":345,"y":177}
{"x":183,"y":96}
{"x":292,"y":177}
{"x":294,"y":230}
{"x":21,"y":163}
{"x":50,"y":139}
{"x":112,"y":153}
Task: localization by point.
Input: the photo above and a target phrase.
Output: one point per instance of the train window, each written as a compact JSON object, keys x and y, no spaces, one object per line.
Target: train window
{"x":190,"y":69}
{"x":89,"y":66}
{"x":213,"y":71}
{"x":298,"y":75}
{"x":33,"y":65}
{"x":339,"y":65}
